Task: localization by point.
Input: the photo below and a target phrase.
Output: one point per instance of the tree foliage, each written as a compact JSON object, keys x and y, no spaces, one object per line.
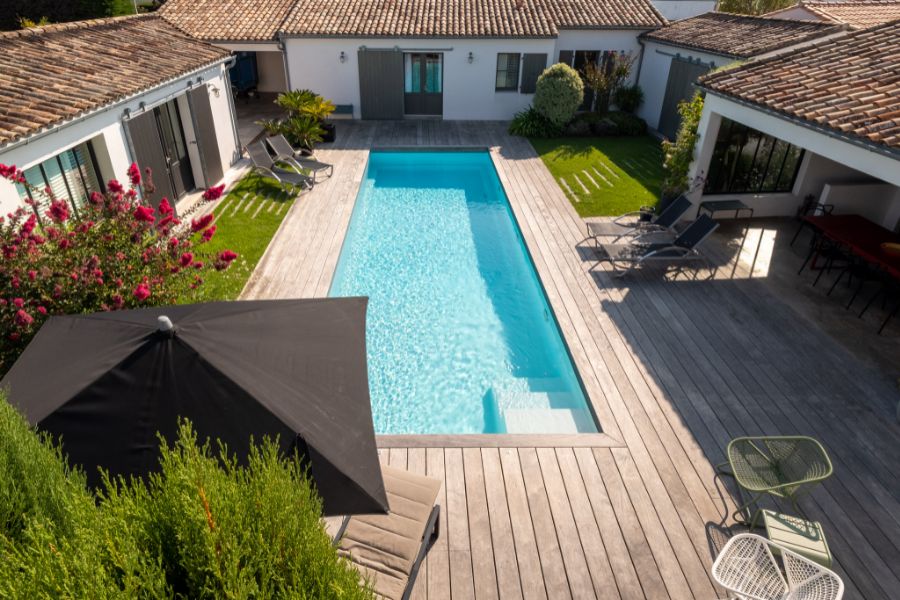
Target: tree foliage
{"x":605,"y":78}
{"x":203,"y":527}
{"x":54,"y":11}
{"x":753,"y":7}
{"x":306,"y":111}
{"x":680,"y":154}
{"x":559,"y":93}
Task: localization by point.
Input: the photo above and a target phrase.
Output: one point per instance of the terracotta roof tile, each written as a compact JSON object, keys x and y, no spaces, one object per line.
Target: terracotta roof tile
{"x":260,"y":20}
{"x":850,"y":83}
{"x":55,"y":73}
{"x":738,"y":36}
{"x":228,"y":20}
{"x":858,"y":14}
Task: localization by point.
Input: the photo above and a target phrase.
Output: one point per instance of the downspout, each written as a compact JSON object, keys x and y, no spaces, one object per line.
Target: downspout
{"x":284,"y":59}
{"x":637,"y":79}
{"x":238,"y":151}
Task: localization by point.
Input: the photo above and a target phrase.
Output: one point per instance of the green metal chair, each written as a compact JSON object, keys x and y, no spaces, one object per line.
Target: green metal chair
{"x":785,"y":467}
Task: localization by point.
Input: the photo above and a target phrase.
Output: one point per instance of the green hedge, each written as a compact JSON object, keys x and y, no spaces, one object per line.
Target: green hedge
{"x":203,"y":527}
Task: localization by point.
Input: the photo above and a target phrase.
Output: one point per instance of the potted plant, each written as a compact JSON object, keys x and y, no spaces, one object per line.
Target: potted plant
{"x":306,"y":122}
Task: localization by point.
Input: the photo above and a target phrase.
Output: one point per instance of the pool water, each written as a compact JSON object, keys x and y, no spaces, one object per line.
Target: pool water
{"x":460,"y":336}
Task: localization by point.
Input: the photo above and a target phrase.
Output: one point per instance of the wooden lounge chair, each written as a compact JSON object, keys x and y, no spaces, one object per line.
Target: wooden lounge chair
{"x":265,"y":164}
{"x":747,"y":566}
{"x":283,"y":150}
{"x":785,"y":467}
{"x":626,"y":257}
{"x":642,"y":221}
{"x":388,"y":549}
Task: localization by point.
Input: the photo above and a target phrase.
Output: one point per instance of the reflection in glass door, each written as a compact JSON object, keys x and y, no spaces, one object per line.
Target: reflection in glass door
{"x":423,"y":82}
{"x":169,"y":122}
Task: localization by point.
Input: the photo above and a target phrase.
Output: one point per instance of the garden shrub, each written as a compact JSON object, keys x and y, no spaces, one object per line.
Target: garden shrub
{"x":203,"y":527}
{"x":531,"y":123}
{"x":578,"y":128}
{"x":629,"y":98}
{"x":680,"y":154}
{"x":113,"y":252}
{"x":304,"y":125}
{"x":559,"y":93}
{"x":627,"y":124}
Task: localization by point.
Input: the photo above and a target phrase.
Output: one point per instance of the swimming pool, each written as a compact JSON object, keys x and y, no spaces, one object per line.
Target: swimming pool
{"x":460,"y":336}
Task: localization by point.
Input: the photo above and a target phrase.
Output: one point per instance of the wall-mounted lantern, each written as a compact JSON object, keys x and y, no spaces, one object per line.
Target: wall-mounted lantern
{"x":471,"y":58}
{"x":343,"y":57}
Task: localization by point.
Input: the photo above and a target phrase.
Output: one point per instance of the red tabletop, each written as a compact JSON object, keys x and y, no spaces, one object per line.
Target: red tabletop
{"x":861,"y":236}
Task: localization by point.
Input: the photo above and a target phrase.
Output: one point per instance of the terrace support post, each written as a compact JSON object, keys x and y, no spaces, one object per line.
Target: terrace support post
{"x":708,"y":130}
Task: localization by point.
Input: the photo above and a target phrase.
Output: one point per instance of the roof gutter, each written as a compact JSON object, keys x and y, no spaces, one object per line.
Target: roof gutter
{"x":829,"y":131}
{"x":103,"y":109}
{"x":280,"y":40}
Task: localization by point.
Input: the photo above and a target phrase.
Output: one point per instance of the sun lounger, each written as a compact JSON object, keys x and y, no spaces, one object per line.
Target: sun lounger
{"x":625,"y":257}
{"x":640,"y":221}
{"x":265,"y":164}
{"x":283,"y":150}
{"x":388,"y":549}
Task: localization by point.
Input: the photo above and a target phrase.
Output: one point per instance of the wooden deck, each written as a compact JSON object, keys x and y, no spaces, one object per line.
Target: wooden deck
{"x":674,"y":368}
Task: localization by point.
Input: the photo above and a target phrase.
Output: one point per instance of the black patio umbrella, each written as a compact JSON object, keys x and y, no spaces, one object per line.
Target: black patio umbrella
{"x":108,"y":382}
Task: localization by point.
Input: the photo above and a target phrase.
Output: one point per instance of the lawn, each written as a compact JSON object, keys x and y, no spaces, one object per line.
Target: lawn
{"x":605,"y":176}
{"x":246,"y":220}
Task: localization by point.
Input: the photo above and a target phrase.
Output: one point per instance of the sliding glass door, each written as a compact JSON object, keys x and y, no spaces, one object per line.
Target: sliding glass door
{"x":423,"y":84}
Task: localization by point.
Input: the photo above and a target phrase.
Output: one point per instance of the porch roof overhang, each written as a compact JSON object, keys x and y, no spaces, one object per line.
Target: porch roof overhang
{"x":877,"y":160}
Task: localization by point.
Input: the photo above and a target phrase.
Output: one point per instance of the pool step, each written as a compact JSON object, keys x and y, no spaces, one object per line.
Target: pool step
{"x":509,"y":399}
{"x":548,"y":420}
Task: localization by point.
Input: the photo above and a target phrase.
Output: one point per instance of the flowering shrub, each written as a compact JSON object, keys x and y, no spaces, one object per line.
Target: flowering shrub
{"x":118,"y":253}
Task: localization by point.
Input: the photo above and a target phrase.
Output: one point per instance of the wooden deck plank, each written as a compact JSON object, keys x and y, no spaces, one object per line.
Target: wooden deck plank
{"x":439,"y":555}
{"x":507,"y":560}
{"x":482,"y":551}
{"x":462,"y":580}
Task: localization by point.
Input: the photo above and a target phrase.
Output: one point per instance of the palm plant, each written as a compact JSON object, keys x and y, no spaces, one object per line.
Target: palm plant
{"x":304,"y":125}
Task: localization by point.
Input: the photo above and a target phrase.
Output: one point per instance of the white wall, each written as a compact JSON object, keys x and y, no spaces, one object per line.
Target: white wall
{"x":468,"y":88}
{"x":827,"y":161}
{"x":797,"y":12}
{"x":656,"y":61}
{"x":107,"y":132}
{"x":877,"y":201}
{"x":674,"y":10}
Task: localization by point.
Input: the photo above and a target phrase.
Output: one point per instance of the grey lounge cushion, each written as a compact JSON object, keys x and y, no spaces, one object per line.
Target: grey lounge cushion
{"x":385,"y":547}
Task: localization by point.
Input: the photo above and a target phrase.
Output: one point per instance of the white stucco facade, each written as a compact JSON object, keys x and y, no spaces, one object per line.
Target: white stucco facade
{"x":105,"y":129}
{"x":852,"y":177}
{"x":468,"y":87}
{"x":654,"y":74}
{"x":674,"y":10}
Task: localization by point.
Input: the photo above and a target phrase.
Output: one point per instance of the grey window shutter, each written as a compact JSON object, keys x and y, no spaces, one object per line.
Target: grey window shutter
{"x":566,"y":56}
{"x":532,"y":67}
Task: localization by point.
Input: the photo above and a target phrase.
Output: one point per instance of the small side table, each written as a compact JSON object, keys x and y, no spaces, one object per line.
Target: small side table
{"x":806,"y":538}
{"x":711,"y":207}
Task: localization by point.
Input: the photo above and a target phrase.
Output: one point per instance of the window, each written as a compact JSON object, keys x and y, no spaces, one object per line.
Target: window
{"x":70,"y":175}
{"x":747,"y":161}
{"x":507,"y":72}
{"x":532,"y":67}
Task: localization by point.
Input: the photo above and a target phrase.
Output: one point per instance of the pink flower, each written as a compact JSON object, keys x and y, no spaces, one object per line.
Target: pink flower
{"x":141,"y":292}
{"x":96,"y":198}
{"x":144,"y":213}
{"x":42,"y":310}
{"x":201,"y":223}
{"x":227,"y":256}
{"x":29,"y":225}
{"x":164,"y":207}
{"x":23,"y":319}
{"x":214,"y":193}
{"x":118,"y":301}
{"x":186,"y":259}
{"x":32,"y":275}
{"x":115,"y":187}
{"x":18,"y":302}
{"x":59,"y":211}
{"x":134,"y":174}
{"x":209,"y":233}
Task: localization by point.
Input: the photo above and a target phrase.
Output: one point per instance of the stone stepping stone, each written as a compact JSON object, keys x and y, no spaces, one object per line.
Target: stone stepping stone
{"x":600,"y":175}
{"x":237,"y":207}
{"x":272,"y":205}
{"x":591,"y":179}
{"x":584,"y":187}
{"x":249,"y":205}
{"x":568,"y":190}
{"x":262,"y":204}
{"x":610,"y":171}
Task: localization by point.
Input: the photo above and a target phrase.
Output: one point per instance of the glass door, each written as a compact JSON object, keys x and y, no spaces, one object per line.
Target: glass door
{"x":423,"y":83}
{"x":174,"y":147}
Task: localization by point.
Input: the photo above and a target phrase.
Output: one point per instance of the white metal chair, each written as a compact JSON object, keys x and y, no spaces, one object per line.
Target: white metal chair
{"x":747,"y":566}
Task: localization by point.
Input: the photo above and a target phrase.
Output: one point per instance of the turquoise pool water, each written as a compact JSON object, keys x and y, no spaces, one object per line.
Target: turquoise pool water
{"x":461,"y":338}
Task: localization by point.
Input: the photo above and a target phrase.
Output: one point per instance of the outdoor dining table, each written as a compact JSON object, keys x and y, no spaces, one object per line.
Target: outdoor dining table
{"x":860,"y":236}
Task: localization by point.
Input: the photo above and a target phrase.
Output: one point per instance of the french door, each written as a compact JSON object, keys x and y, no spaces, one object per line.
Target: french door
{"x":168,"y":120}
{"x":423,"y":85}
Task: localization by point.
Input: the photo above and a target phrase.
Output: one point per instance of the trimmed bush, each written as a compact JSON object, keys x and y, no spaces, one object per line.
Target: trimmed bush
{"x":531,"y":123}
{"x":629,"y":98}
{"x":559,"y":93}
{"x":628,"y":124}
{"x":203,"y":527}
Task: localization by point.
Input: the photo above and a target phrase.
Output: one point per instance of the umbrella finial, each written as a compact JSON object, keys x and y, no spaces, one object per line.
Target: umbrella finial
{"x":164,"y":324}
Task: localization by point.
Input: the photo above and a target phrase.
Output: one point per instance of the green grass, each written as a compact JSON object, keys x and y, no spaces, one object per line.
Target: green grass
{"x":239,"y":230}
{"x":626,"y":171}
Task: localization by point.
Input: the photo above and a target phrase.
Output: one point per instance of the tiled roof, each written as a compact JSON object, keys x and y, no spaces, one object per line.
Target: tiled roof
{"x":858,"y":14}
{"x":465,"y":18}
{"x":850,"y":84}
{"x":58,"y":72}
{"x":738,"y":36}
{"x":228,"y":20}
